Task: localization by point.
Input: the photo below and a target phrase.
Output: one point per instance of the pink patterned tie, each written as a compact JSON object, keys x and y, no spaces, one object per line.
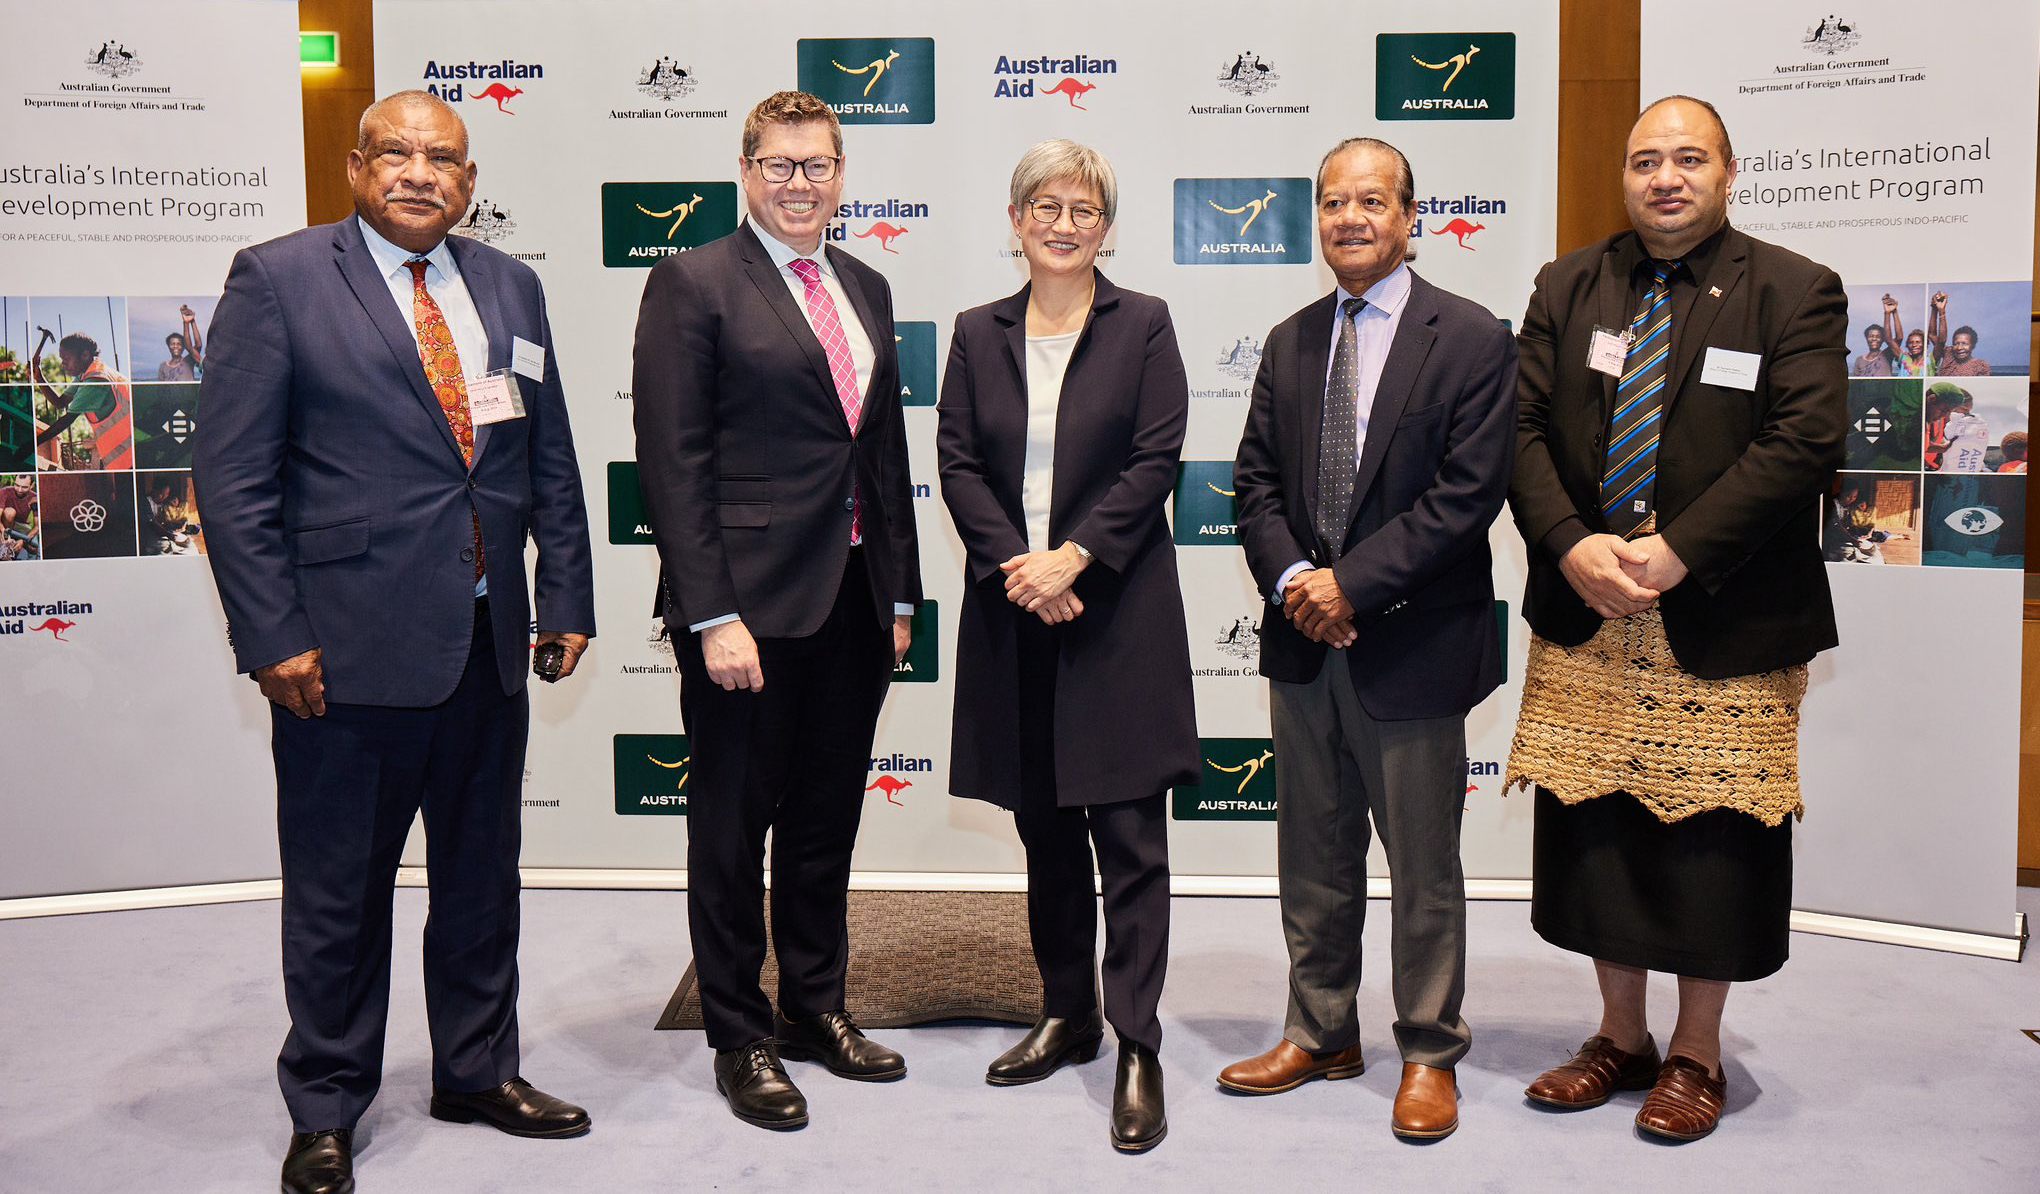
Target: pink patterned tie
{"x":828,"y":326}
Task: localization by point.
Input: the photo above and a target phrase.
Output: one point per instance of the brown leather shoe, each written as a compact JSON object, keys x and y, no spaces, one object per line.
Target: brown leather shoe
{"x":1598,"y":1070}
{"x":1686,"y":1102}
{"x":1426,"y":1104}
{"x":1286,"y":1067}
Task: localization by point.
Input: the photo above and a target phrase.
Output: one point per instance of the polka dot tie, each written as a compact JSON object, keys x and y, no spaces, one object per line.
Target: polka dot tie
{"x":443,"y":374}
{"x":1339,"y":444}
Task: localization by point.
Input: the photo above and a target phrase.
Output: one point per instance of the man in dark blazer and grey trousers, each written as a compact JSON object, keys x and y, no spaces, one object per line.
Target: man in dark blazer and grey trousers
{"x":366,"y":518}
{"x":1376,"y":455}
{"x":774,"y":467}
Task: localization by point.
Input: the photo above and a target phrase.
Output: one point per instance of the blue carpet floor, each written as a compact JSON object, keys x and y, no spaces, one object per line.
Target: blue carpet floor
{"x":137,"y":1053}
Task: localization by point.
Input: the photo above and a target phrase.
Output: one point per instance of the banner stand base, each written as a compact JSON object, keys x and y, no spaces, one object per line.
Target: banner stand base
{"x":2009,"y":948}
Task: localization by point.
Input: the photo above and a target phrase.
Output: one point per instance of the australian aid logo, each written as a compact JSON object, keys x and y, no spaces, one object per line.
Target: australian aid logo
{"x":886,"y":225}
{"x":37,"y":620}
{"x":1459,"y":220}
{"x":644,"y":222}
{"x":892,"y":774}
{"x":481,"y":85}
{"x":1243,"y":221}
{"x":1064,"y":80}
{"x":1205,"y":511}
{"x":651,"y":774}
{"x":1236,"y":782}
{"x":871,"y":80}
{"x":1445,"y":76}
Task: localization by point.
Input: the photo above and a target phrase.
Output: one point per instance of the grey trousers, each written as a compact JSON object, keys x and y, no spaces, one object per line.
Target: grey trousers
{"x":1334,"y":765}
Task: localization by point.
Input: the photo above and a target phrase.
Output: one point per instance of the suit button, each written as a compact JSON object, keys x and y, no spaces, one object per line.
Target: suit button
{"x":849,"y":503}
{"x":471,"y":482}
{"x":467,"y":555}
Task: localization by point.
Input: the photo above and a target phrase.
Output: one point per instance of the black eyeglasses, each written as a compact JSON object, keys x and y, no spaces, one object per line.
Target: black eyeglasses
{"x":781,"y":169}
{"x":1048,"y":211}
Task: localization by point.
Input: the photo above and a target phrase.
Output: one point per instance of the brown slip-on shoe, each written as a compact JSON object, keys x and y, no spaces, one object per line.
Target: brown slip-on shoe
{"x":1286,"y":1067}
{"x":1426,"y":1104}
{"x":1686,"y":1102}
{"x":1598,"y":1070}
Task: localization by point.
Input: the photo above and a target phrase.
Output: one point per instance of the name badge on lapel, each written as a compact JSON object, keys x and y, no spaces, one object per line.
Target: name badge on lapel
{"x":527,"y":358}
{"x":1606,"y":351}
{"x":1735,"y":370}
{"x":494,"y":397}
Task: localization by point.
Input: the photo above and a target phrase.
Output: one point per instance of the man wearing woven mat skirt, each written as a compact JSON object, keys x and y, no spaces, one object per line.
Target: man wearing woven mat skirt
{"x":1375,"y":459}
{"x":1682,"y":398}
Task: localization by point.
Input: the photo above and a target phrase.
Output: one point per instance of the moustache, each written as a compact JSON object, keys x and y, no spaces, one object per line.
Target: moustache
{"x":397,"y":193}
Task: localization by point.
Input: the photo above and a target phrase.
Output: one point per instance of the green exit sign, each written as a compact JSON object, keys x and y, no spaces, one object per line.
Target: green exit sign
{"x":318,"y":49}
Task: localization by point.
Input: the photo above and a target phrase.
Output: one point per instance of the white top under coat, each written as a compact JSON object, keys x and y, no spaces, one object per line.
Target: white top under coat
{"x":1048,"y":359}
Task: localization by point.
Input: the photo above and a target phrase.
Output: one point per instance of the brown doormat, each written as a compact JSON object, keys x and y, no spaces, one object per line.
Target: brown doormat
{"x":918,"y":957}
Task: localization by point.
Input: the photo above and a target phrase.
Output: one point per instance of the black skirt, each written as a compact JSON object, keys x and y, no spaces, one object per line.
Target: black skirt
{"x":1706,"y":897}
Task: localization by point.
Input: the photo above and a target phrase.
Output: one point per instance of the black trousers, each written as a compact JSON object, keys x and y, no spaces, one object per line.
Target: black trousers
{"x":1132,"y":842}
{"x":348,"y":786}
{"x":790,"y":759}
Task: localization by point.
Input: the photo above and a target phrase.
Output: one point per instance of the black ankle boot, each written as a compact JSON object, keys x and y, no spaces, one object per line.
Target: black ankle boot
{"x":1138,"y":1120}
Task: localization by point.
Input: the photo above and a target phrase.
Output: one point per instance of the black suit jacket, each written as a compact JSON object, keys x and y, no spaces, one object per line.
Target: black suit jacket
{"x":1739,"y":472}
{"x":1125,"y":716}
{"x":747,"y":464}
{"x":1432,"y":476}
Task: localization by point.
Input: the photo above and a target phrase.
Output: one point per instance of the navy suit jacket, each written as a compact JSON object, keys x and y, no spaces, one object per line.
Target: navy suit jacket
{"x":1432,"y":476}
{"x":747,"y":464}
{"x":337,"y":509}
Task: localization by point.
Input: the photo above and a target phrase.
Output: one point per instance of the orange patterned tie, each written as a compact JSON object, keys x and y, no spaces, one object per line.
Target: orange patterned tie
{"x":442,"y":373}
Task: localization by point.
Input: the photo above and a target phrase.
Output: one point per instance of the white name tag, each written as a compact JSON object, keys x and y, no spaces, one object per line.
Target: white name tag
{"x":493,"y":398}
{"x":1606,"y":351}
{"x":527,"y":358}
{"x":1726,"y":367}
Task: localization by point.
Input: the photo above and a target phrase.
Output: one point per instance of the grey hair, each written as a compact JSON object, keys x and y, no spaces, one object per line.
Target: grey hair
{"x":1062,"y":158}
{"x":405,"y":99}
{"x":1405,"y":178}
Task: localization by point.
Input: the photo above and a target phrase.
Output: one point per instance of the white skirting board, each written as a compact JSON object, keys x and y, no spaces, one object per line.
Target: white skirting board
{"x":2010,"y":948}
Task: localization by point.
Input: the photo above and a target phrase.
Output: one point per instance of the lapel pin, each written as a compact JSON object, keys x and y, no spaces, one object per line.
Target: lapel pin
{"x":1715,"y":291}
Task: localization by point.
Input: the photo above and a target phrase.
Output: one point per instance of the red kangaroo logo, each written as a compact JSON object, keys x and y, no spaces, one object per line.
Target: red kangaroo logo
{"x":499,"y":93}
{"x":56,"y":627}
{"x":891,"y":787}
{"x":1462,"y":230}
{"x":1071,"y":90}
{"x":886,"y":234}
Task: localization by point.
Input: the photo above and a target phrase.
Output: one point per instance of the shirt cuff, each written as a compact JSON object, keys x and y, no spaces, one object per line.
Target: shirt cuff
{"x":1288,"y":574}
{"x":901,"y":609}
{"x":698,"y":627}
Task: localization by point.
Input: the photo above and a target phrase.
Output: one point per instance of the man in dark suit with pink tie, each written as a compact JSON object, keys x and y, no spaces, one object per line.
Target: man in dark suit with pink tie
{"x":774,"y":468}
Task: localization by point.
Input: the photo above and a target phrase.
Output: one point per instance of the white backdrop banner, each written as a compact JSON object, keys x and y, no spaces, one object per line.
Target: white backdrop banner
{"x":1885,"y":155}
{"x":146,"y":142}
{"x":607,"y":137}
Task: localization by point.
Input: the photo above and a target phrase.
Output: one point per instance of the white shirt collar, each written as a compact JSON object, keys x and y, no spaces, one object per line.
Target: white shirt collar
{"x":782,"y":256}
{"x":390,"y":258}
{"x":1386,"y":296}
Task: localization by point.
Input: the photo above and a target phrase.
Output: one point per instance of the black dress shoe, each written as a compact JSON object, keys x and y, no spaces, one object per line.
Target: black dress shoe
{"x":1138,"y":1121}
{"x":515,"y":1107}
{"x":1053,"y":1042}
{"x":320,"y":1163}
{"x":758,"y":1090}
{"x":832,"y":1039}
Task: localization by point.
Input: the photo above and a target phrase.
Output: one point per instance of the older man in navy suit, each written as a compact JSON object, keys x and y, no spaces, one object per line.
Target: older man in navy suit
{"x":384,"y":430}
{"x":1376,"y":455}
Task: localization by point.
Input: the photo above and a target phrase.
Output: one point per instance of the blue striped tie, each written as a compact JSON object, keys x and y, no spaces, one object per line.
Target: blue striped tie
{"x":1631,"y":466}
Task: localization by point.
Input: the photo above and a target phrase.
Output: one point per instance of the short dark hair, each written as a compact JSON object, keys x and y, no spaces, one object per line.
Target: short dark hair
{"x":1727,"y":150}
{"x":78,"y":342}
{"x":1406,"y":180}
{"x":790,"y":107}
{"x":177,"y":336}
{"x":1965,"y":330}
{"x":1871,"y":327}
{"x":2014,"y":446}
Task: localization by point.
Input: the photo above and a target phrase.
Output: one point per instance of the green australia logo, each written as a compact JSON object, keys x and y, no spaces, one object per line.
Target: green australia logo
{"x":916,"y":343}
{"x":1236,"y":782}
{"x":651,"y":774}
{"x":871,"y":80}
{"x":628,"y":521}
{"x":644,"y":222}
{"x":1243,"y":221}
{"x":922,"y":664}
{"x":1445,"y":76}
{"x":1205,"y":513}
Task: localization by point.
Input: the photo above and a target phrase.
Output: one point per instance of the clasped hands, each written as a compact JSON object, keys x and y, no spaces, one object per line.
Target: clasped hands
{"x":1316,"y":605}
{"x":1039,"y":582}
{"x":1619,"y":577}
